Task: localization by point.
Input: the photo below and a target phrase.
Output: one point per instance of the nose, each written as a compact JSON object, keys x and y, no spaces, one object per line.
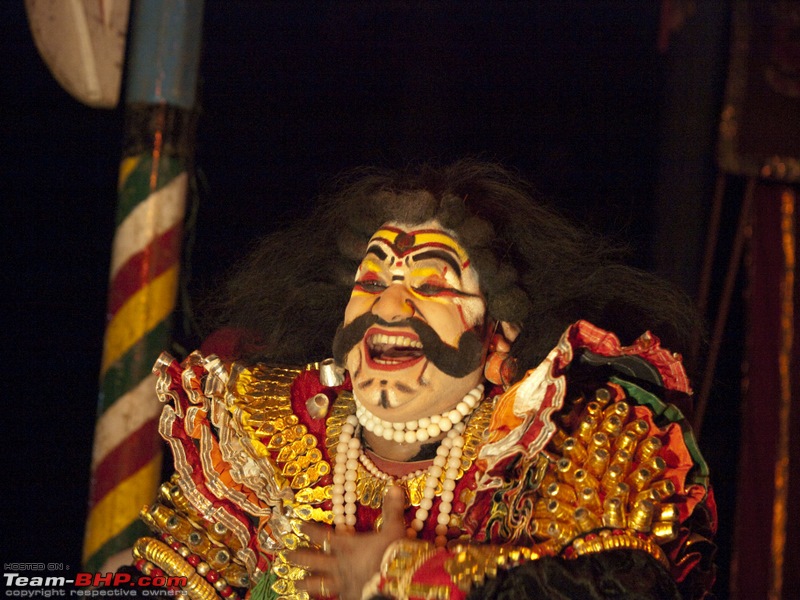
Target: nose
{"x":394,"y":304}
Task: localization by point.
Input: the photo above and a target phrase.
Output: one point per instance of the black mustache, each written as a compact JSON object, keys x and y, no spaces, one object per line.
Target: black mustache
{"x":455,"y":362}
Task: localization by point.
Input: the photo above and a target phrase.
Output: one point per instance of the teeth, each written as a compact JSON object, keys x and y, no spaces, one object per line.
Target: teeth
{"x":394,"y":340}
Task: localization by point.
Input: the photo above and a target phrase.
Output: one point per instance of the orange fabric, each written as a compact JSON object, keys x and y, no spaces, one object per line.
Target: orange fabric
{"x":503,"y":417}
{"x":679,"y":461}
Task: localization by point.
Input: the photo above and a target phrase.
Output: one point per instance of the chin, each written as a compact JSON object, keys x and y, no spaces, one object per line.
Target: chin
{"x":405,"y":391}
{"x":384,"y":392}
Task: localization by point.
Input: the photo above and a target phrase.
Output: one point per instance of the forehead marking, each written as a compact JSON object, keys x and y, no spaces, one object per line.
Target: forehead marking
{"x":403,"y":243}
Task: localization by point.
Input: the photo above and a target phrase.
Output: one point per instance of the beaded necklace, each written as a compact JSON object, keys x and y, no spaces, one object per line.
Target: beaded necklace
{"x":423,"y":429}
{"x":350,"y":455}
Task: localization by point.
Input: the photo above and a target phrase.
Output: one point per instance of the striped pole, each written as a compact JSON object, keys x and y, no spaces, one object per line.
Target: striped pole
{"x":145,"y":259}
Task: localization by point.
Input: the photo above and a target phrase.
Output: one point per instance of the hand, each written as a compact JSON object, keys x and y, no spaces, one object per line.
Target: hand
{"x":351,"y":558}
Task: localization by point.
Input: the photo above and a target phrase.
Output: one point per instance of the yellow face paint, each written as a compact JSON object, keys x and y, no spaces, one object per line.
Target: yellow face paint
{"x":412,"y":274}
{"x":404,"y":242}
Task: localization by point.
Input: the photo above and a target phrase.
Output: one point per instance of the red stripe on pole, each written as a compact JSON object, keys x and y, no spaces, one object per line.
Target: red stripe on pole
{"x":160,"y":254}
{"x":132,"y":454}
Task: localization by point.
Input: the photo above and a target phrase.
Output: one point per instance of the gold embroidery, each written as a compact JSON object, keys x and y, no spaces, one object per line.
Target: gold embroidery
{"x":466,"y":565}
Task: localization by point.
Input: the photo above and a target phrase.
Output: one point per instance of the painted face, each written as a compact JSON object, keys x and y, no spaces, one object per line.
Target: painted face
{"x":413,"y":335}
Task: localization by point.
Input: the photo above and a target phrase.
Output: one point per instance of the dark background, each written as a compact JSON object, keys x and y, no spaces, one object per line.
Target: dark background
{"x":576,"y":95}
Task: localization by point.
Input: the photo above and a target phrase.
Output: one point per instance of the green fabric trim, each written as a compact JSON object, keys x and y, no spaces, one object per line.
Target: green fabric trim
{"x":664,"y":414}
{"x":263,"y":589}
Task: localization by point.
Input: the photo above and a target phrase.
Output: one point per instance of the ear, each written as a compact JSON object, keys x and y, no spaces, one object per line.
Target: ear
{"x":499,"y":367}
{"x":510,"y":330}
{"x":502,"y":335}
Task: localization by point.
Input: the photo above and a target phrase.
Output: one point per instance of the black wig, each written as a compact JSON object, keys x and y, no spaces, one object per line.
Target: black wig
{"x":536,"y":269}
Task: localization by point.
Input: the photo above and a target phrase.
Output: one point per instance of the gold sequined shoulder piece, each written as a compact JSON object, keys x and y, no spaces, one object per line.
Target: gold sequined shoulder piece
{"x":262,"y":397}
{"x":264,"y":394}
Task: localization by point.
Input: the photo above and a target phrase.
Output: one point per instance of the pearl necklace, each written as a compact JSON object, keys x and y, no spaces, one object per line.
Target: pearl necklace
{"x":423,"y":429}
{"x":349,"y":454}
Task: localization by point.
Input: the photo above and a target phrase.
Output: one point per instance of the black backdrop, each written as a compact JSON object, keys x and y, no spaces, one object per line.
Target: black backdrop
{"x":570,"y":93}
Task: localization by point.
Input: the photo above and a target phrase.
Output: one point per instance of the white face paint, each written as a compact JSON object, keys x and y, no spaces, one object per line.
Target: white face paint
{"x":419,"y":273}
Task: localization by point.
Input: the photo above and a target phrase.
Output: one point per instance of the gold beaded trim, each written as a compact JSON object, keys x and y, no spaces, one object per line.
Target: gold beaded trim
{"x":614,"y":540}
{"x":471,"y":565}
{"x":163,"y":519}
{"x":166,"y":559}
{"x":214,"y":543}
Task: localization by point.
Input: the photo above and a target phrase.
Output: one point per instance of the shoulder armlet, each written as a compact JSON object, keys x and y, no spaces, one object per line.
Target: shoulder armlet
{"x":620,"y":468}
{"x":246,"y":450}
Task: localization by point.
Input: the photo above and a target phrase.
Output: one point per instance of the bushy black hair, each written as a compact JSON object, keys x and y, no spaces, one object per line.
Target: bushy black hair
{"x":536,"y":269}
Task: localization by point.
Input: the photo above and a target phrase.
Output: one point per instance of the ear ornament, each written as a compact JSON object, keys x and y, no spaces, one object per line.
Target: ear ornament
{"x":500,"y":367}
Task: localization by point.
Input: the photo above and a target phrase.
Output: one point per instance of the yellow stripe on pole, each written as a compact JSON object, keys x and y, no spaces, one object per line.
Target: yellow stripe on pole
{"x":109,"y":517}
{"x":126,"y":167}
{"x":142,"y":312}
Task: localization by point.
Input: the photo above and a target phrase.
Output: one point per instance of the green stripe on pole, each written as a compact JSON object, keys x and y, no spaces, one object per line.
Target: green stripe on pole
{"x":137,"y":185}
{"x":130,"y":369}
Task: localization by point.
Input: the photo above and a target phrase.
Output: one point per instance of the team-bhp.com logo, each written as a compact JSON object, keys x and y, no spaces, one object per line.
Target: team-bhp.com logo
{"x":29,"y":585}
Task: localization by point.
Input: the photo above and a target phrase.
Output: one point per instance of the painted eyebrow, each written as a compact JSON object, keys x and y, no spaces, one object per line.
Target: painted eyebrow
{"x":377,"y":251}
{"x":441,"y":255}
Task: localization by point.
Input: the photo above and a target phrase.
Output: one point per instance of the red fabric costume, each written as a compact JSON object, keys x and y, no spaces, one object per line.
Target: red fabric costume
{"x":586,"y":456}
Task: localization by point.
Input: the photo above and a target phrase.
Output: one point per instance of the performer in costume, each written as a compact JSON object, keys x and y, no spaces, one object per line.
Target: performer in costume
{"x":479,"y":431}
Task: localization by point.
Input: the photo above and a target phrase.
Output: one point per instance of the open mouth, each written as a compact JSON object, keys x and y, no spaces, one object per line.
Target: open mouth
{"x":392,"y":350}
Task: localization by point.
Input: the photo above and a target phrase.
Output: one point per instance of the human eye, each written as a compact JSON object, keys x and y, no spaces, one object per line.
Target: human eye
{"x":428,"y":289}
{"x":433,"y":287}
{"x":370,"y":284}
